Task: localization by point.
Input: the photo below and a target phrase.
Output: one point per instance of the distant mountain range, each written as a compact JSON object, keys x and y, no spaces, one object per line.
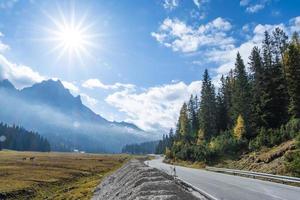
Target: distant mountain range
{"x":68,"y":124}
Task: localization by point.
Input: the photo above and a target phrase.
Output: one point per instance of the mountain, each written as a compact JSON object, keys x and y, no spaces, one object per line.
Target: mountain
{"x":68,"y":124}
{"x":54,"y":94}
{"x":7,"y":85}
{"x":126,"y":124}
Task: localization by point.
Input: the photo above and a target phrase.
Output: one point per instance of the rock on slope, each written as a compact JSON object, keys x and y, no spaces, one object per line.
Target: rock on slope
{"x":136,"y":181}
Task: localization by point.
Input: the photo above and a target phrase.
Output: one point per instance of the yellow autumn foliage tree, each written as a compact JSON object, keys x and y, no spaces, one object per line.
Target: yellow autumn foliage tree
{"x":239,"y":130}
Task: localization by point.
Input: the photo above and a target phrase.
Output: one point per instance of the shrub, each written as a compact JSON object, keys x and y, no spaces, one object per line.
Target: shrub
{"x":272,"y":137}
{"x":292,"y":159}
{"x":292,"y":164}
{"x":168,"y":153}
{"x":200,"y":153}
{"x":293,"y":127}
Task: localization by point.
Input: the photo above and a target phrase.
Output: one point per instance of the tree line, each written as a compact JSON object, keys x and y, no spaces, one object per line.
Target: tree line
{"x":17,"y":138}
{"x":252,"y":108}
{"x":142,"y":148}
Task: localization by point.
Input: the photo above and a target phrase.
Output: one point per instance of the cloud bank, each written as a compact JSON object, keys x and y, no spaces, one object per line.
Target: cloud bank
{"x":179,"y":36}
{"x":156,"y":108}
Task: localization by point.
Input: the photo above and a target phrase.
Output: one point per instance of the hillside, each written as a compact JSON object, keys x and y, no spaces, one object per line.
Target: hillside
{"x":68,"y":124}
{"x":268,"y":160}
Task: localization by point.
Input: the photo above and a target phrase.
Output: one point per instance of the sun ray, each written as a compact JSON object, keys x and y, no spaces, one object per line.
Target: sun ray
{"x":71,"y":35}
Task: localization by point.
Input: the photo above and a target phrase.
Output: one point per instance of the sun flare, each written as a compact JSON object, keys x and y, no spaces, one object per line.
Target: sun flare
{"x":71,"y":36}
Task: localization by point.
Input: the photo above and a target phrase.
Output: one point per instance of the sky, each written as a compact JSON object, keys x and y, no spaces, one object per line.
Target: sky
{"x":134,"y":60}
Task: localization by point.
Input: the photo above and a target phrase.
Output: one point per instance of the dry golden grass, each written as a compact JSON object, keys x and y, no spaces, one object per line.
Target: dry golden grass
{"x":53,"y":175}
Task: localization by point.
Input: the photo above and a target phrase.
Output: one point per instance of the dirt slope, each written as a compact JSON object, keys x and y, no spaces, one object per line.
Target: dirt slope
{"x":269,"y":160}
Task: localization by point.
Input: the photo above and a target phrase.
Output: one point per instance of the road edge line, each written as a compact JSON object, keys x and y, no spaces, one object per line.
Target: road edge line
{"x":202,"y":192}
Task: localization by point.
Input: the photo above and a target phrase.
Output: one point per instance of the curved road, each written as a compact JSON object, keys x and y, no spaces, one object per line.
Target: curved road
{"x":229,"y":187}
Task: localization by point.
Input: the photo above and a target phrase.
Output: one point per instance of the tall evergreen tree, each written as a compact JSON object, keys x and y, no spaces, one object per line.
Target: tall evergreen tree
{"x":207,"y":113}
{"x":221,"y":103}
{"x":279,"y":46}
{"x":193,"y":118}
{"x":257,"y":84}
{"x":228,"y":92}
{"x":292,"y":69}
{"x":273,"y":98}
{"x":241,"y":92}
{"x":279,"y":43}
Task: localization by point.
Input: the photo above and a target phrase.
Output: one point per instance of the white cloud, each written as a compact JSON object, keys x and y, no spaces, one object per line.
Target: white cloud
{"x":255,"y":8}
{"x":3,"y":47}
{"x":89,"y":101}
{"x":71,"y":86}
{"x":244,"y":2}
{"x":20,"y":75}
{"x":179,"y":36}
{"x":170,"y":4}
{"x":246,"y":28}
{"x":156,"y":108}
{"x":96,"y":83}
{"x":199,"y":3}
{"x":295,"y":24}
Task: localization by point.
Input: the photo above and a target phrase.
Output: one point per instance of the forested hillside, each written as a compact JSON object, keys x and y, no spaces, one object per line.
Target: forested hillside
{"x":251,"y":109}
{"x":17,"y":138}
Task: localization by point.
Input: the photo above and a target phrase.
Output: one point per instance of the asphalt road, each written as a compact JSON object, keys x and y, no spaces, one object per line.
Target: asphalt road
{"x":229,"y":187}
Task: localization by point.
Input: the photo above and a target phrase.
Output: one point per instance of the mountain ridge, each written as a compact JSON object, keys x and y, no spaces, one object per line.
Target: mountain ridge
{"x":64,"y":93}
{"x":50,"y":109}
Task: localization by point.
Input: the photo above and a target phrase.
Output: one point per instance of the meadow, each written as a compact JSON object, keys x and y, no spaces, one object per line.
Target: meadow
{"x":34,"y":175}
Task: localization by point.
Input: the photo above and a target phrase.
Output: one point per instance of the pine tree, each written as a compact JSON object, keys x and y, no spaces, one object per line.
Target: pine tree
{"x":292,"y":69}
{"x":273,"y":98}
{"x":221,"y":103}
{"x":241,"y":92}
{"x":279,"y":46}
{"x":228,"y":92}
{"x":193,"y":118}
{"x":207,"y":113}
{"x":279,"y":43}
{"x":257,"y":84}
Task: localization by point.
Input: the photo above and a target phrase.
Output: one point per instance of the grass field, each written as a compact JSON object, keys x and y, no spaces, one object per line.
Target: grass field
{"x":53,"y":175}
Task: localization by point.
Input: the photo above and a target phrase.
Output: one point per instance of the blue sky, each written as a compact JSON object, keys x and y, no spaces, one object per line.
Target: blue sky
{"x":143,"y":58}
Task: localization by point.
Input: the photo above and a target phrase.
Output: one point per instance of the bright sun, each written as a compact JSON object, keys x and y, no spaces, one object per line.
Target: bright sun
{"x":71,"y":36}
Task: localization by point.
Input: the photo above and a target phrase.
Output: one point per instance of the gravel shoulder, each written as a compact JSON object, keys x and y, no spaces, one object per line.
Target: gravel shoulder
{"x":136,"y":181}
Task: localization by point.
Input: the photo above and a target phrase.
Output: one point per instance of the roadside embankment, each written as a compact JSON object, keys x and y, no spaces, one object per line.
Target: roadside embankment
{"x":136,"y":181}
